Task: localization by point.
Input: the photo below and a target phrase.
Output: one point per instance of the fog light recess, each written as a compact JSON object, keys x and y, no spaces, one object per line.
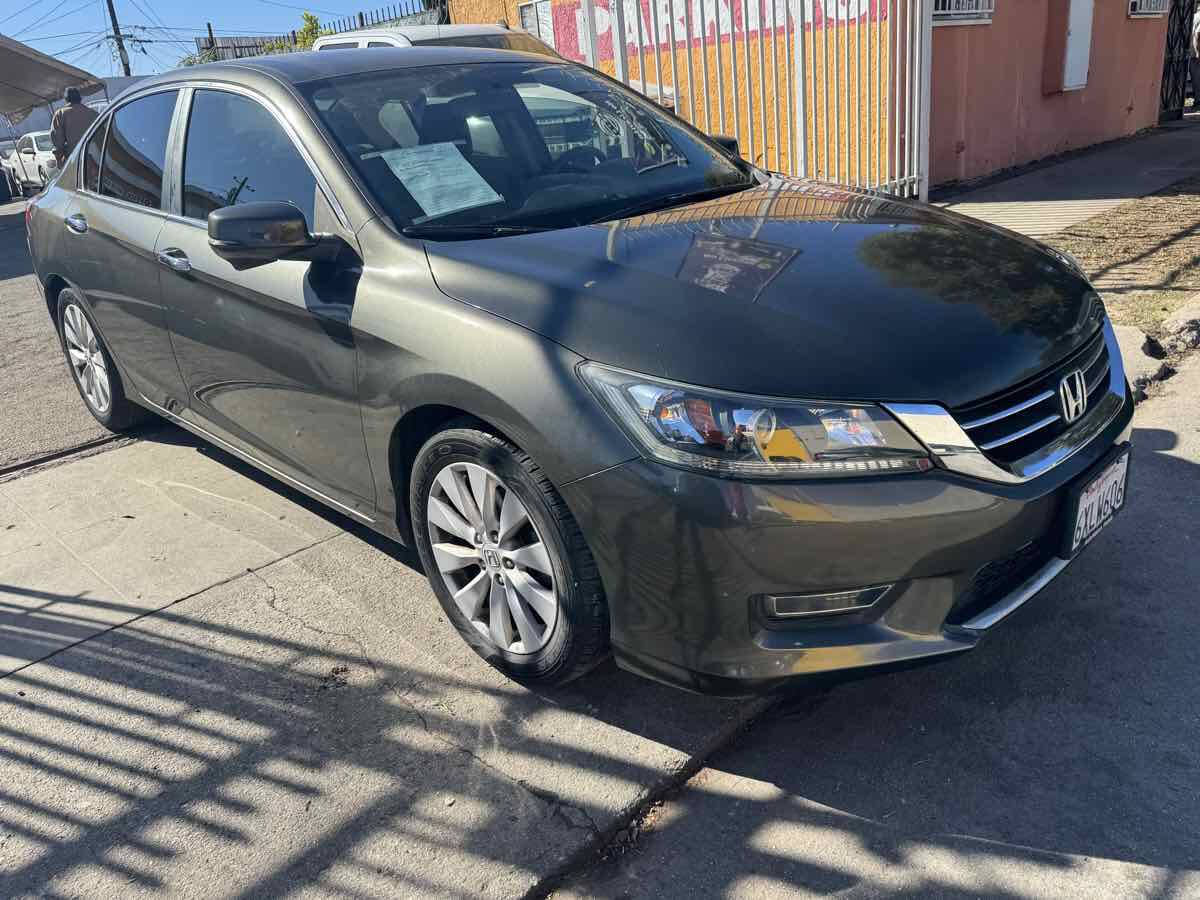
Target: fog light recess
{"x":795,"y":606}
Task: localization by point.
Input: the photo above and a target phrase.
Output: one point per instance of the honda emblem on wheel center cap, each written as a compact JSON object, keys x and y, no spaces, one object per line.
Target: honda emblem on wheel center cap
{"x":1072,"y":396}
{"x":491,"y":558}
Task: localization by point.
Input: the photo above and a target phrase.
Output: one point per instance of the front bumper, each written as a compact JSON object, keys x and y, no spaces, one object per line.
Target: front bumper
{"x":686,"y":560}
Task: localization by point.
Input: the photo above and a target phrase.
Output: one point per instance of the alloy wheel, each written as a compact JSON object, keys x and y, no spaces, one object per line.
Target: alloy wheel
{"x":491,"y":558}
{"x":87,"y":360}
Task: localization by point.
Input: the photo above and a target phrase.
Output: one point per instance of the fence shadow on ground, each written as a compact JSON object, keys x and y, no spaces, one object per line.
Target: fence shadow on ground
{"x":229,"y":746}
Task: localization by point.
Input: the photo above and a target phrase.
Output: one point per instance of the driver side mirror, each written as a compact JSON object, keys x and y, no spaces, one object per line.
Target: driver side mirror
{"x":257,"y":233}
{"x":727,"y":143}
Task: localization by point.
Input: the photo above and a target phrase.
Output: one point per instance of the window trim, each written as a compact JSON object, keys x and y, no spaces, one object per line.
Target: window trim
{"x":176,"y":161}
{"x":81,"y":173}
{"x":87,"y":136}
{"x":177,"y":169}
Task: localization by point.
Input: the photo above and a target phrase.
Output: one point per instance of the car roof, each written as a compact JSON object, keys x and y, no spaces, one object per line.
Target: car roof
{"x":314,"y":65}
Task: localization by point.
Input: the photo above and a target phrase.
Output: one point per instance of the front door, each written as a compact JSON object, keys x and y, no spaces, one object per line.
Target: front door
{"x":114,"y":222}
{"x":267,"y":353}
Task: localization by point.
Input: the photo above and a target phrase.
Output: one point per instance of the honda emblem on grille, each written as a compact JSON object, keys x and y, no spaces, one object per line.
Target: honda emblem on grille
{"x":1072,"y":396}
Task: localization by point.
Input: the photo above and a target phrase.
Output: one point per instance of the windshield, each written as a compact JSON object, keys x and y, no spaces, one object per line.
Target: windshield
{"x":515,"y":144}
{"x":42,"y":141}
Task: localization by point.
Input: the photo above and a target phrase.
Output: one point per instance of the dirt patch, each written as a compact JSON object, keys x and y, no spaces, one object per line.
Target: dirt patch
{"x":1143,"y":256}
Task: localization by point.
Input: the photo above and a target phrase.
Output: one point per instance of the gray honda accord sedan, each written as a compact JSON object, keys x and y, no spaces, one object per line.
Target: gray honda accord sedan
{"x":622,"y":390}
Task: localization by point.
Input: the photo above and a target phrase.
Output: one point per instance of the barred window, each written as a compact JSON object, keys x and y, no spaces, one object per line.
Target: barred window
{"x":959,"y":12}
{"x":1148,"y":8}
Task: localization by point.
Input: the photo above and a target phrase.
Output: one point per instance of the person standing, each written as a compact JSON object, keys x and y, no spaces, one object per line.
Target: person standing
{"x":69,"y":124}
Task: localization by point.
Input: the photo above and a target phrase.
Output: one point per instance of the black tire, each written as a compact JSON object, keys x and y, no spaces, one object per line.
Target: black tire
{"x":579,"y":639}
{"x":121,"y":413}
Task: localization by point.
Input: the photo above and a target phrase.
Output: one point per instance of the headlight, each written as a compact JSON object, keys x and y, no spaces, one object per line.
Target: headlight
{"x":730,"y":434}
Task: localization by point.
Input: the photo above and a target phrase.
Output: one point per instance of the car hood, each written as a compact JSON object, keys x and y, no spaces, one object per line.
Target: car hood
{"x":791,"y":289}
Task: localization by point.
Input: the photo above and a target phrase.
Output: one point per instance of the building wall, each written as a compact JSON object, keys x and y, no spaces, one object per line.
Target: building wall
{"x":988,"y":109}
{"x":484,"y":12}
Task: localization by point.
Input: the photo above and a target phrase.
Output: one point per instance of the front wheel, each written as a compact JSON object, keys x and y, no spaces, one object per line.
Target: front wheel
{"x":506,"y":558}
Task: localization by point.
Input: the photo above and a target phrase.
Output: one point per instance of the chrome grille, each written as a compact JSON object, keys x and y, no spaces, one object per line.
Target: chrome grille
{"x":1010,"y":426}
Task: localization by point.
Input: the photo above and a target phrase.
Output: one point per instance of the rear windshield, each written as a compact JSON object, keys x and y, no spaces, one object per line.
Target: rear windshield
{"x":513,"y":143}
{"x":513,"y":41}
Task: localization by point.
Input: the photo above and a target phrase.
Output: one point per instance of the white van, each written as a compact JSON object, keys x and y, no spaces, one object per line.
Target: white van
{"x":496,"y":36}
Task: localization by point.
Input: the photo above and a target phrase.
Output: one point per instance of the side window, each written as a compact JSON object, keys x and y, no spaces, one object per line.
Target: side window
{"x":236,"y":152}
{"x":344,"y":45}
{"x":136,"y":151}
{"x":91,"y":158}
{"x":379,"y":44}
{"x":25,"y":143}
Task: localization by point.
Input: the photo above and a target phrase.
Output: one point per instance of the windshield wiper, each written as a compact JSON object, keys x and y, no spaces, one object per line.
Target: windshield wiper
{"x":666,"y":201}
{"x":466,"y":232}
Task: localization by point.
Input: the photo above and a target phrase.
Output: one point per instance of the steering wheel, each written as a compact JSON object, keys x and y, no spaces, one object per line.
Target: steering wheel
{"x":574,"y":159}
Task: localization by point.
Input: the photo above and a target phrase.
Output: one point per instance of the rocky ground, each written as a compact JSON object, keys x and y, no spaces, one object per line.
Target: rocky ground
{"x":1143,"y":256}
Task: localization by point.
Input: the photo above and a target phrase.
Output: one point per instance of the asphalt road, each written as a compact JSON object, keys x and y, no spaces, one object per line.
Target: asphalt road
{"x":40,"y":410}
{"x":1059,"y":759}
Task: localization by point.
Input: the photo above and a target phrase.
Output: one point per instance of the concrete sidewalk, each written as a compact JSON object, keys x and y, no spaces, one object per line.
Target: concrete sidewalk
{"x":213,"y":689}
{"x":1060,"y":195}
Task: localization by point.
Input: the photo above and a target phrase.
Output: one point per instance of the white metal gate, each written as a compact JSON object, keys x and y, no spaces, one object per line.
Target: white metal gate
{"x":830,"y":89}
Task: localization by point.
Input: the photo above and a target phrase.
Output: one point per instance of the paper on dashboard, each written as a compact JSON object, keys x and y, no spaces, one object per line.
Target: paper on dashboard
{"x":439,"y":178}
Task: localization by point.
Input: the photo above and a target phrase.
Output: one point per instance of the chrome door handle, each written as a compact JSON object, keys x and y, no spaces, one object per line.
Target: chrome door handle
{"x":77,"y":223}
{"x":174,"y":258}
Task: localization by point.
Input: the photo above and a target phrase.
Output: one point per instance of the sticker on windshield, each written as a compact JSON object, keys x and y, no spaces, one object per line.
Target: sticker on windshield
{"x":439,"y":178}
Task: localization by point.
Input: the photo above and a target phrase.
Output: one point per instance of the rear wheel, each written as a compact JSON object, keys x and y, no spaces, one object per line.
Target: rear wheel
{"x":92,"y":367}
{"x":506,"y":558}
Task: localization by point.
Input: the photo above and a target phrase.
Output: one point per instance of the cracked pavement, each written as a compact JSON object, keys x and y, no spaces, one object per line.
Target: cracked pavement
{"x":214,"y":687}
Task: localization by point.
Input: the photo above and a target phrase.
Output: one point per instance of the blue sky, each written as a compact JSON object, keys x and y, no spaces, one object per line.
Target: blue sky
{"x":73,"y":30}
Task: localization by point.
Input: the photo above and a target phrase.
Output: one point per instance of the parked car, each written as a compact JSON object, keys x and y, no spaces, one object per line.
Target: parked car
{"x":32,"y":164}
{"x":618,"y":387}
{"x":497,"y":37}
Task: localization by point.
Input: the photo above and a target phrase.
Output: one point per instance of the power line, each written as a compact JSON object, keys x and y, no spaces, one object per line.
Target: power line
{"x":43,"y":20}
{"x":328,"y":12}
{"x":35,"y":22}
{"x":50,"y":37}
{"x":24,"y":9}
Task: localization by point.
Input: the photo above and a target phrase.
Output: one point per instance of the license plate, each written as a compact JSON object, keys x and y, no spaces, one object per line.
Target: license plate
{"x":1097,"y":502}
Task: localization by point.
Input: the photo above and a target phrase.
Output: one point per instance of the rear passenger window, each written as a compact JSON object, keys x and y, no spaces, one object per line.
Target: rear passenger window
{"x":236,"y":152}
{"x":379,"y":44}
{"x":342,"y":46}
{"x":91,"y":158}
{"x":136,"y":151}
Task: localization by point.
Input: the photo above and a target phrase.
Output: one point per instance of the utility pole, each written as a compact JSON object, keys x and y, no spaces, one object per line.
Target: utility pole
{"x":212,"y":41}
{"x":112,"y":14}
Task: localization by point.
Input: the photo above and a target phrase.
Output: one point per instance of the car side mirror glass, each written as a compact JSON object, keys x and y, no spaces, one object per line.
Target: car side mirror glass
{"x":254,"y":234}
{"x":727,"y":143}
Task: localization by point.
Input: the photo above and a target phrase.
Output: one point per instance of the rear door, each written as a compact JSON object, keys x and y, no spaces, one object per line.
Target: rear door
{"x":267,"y":353}
{"x":113,"y":227}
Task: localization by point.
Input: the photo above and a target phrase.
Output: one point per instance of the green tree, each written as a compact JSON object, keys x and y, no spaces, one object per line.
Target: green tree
{"x":306,"y":34}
